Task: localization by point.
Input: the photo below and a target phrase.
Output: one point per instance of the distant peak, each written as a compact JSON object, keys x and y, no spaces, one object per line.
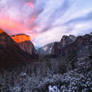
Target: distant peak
{"x":20,"y":38}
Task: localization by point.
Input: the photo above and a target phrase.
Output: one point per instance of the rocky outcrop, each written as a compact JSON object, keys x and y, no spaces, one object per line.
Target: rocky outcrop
{"x":66,"y":40}
{"x":24,"y":42}
{"x":57,"y":48}
{"x":10,"y":53}
{"x":54,"y":49}
{"x":81,"y":46}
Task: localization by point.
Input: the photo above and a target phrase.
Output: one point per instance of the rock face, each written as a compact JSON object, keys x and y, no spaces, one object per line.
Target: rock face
{"x":66,"y":40}
{"x":54,"y":49}
{"x":25,"y":44}
{"x":58,"y":46}
{"x":10,"y":53}
{"x":81,"y":46}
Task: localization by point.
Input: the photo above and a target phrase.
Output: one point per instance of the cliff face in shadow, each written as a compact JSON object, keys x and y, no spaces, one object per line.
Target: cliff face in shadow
{"x":10,"y":53}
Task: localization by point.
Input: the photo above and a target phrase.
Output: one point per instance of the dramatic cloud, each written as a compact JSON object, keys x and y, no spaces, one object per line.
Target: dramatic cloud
{"x":46,"y":20}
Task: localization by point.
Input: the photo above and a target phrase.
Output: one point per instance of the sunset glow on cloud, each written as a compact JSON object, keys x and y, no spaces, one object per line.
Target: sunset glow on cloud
{"x":46,"y":21}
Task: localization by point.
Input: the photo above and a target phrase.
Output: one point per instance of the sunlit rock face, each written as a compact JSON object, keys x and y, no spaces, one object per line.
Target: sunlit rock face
{"x":20,"y":38}
{"x":1,"y":31}
{"x":25,"y":44}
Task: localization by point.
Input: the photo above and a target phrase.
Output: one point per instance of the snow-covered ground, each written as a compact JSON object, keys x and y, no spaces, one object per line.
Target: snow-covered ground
{"x":22,"y":81}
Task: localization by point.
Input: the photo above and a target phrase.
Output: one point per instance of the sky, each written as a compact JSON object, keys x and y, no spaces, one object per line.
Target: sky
{"x":46,"y":21}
